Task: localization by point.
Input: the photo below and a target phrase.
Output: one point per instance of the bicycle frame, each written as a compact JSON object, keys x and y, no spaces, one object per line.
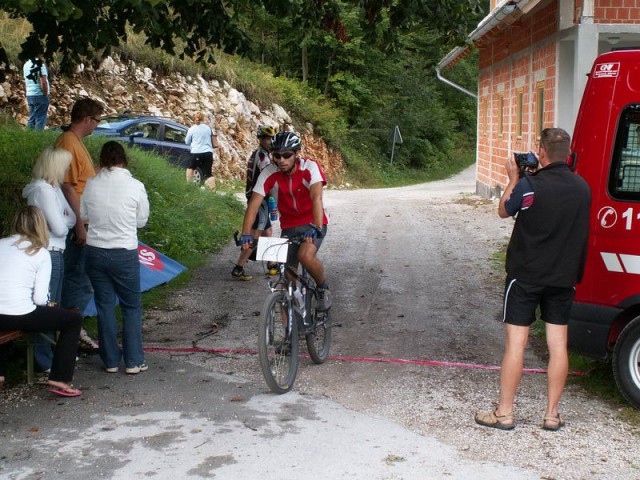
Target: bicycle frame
{"x":284,"y":280}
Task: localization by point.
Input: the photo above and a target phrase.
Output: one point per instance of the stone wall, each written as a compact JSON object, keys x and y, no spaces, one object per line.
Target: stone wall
{"x":122,"y":87}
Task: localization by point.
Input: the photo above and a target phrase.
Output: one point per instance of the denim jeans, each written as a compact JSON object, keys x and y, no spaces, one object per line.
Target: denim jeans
{"x":43,"y":351}
{"x":114,"y":272}
{"x":38,"y":106}
{"x":76,"y":287}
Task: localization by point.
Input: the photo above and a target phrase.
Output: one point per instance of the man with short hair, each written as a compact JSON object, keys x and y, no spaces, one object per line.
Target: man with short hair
{"x":76,"y":287}
{"x":299,"y":181}
{"x":258,"y":161}
{"x":545,"y":260}
{"x":36,"y":79}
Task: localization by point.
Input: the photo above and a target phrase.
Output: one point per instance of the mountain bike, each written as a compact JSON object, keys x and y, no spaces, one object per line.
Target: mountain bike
{"x":289,"y":313}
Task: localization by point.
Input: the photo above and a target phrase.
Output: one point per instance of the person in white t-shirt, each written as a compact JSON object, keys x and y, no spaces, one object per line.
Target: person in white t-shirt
{"x":25,"y":271}
{"x":36,"y":82}
{"x":115,"y":205}
{"x":202,"y":139}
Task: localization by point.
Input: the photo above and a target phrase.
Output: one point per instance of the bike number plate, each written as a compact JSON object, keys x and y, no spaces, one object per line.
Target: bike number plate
{"x":272,"y":249}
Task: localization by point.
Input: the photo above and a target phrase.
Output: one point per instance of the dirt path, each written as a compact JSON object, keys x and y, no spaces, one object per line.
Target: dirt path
{"x":412,"y":277}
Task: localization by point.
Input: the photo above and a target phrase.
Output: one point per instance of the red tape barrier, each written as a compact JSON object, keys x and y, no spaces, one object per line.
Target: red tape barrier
{"x":433,"y":363}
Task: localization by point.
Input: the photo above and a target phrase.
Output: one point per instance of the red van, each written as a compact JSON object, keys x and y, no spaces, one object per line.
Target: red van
{"x":605,"y":318}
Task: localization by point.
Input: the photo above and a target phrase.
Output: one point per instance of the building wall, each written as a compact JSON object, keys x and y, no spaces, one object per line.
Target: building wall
{"x":616,"y":11}
{"x":517,"y":93}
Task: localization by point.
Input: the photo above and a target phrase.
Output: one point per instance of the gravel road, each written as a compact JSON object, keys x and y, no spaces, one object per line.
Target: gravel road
{"x":412,"y":277}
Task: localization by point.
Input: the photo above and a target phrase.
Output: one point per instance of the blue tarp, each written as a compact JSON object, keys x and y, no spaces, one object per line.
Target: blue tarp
{"x":155,"y":269}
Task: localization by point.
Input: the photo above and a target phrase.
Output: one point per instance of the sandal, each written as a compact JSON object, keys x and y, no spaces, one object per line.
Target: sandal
{"x":490,"y":419}
{"x":552,"y":423}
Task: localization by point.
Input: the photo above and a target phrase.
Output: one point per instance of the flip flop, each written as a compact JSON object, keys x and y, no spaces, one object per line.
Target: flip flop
{"x":65,"y":392}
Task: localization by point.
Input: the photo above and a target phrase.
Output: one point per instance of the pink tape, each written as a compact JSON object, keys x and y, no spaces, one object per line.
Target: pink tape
{"x":432,"y":363}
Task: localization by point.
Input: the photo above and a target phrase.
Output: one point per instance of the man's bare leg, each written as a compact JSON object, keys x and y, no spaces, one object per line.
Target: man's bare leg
{"x":511,"y":372}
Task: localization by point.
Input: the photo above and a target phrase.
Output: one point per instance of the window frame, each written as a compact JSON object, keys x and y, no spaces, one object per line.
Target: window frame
{"x":629,"y":115}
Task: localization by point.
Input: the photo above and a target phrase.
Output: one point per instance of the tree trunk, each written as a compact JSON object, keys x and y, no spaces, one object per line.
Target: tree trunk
{"x":305,"y":64}
{"x":329,"y":68}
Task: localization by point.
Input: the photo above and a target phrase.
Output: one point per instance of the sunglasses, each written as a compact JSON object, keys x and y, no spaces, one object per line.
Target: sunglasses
{"x":283,"y":155}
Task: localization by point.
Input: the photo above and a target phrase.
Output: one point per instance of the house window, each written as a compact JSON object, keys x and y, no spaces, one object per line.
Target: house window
{"x":539,"y":109}
{"x":519,"y":111}
{"x":501,"y":116}
{"x":624,"y":177}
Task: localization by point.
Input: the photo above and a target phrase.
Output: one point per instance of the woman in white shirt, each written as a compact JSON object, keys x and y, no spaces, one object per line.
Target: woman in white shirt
{"x":202,"y":140}
{"x":25,"y":272}
{"x":115,"y":205}
{"x":45,"y":193}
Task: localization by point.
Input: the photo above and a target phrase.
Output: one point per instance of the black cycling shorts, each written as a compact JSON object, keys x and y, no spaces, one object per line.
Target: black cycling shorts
{"x":202,"y":160}
{"x":292,"y":252}
{"x":521,"y":300}
{"x":263,"y":222}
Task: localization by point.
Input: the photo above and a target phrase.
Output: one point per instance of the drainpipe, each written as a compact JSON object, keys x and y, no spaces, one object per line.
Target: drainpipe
{"x":500,"y":13}
{"x":453,"y":54}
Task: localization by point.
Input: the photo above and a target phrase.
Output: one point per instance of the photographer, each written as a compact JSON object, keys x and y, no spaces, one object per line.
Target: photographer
{"x":36,"y":78}
{"x":545,"y":260}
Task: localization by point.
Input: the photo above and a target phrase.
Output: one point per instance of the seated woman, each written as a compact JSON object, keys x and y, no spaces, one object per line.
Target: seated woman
{"x":115,"y":204}
{"x":25,"y":272}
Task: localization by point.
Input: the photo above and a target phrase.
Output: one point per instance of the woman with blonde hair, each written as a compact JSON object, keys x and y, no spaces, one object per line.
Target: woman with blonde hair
{"x":45,"y":193}
{"x":25,"y":272}
{"x":202,"y":140}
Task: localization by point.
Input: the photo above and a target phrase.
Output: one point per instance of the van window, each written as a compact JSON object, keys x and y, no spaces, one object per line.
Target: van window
{"x":624,"y":178}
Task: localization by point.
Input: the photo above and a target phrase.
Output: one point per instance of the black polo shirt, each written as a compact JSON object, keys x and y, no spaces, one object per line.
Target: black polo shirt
{"x":548,"y":245}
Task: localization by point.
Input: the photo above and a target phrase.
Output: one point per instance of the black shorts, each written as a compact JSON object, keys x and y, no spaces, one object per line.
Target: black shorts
{"x":521,"y":300}
{"x":263,"y":222}
{"x":202,"y":160}
{"x":292,"y":252}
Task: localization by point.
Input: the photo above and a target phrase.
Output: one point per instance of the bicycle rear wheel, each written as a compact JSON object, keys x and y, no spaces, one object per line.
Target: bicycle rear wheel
{"x":278,"y":352}
{"x":319,"y":337}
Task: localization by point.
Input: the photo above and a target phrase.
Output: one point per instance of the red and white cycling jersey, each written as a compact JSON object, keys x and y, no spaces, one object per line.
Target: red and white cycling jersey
{"x":294,"y":199}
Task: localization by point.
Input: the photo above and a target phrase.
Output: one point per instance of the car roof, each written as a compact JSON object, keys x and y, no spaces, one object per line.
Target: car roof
{"x":122,"y":120}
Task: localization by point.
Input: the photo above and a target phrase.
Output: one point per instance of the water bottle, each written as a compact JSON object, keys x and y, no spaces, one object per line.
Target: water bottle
{"x":273,"y":209}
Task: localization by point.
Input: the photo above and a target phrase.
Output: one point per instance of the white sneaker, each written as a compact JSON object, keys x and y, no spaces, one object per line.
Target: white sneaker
{"x":140,"y":368}
{"x":111,"y":369}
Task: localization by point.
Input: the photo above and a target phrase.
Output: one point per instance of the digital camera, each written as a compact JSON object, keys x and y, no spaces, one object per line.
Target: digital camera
{"x":527,"y":162}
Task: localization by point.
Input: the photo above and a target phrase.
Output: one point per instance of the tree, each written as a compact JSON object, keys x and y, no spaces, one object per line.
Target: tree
{"x":77,"y":28}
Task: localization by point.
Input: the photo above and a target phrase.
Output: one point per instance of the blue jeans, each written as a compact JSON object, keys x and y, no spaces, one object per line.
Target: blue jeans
{"x":38,"y":106}
{"x":43,"y":351}
{"x":114,"y":272}
{"x":76,"y":287}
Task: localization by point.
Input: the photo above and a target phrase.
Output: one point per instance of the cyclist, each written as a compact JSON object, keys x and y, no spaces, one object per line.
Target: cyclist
{"x":299,"y":181}
{"x":258,"y":161}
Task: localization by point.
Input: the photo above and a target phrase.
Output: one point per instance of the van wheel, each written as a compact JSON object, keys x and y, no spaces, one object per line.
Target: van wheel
{"x":626,"y":362}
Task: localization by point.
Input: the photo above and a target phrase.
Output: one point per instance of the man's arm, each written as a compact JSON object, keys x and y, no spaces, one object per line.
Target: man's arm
{"x":317,"y":207}
{"x":44,"y":85}
{"x":74,"y":202}
{"x":512,"y":172}
{"x":250,"y":215}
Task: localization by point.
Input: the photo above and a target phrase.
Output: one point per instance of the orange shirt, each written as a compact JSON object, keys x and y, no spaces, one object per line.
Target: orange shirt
{"x":81,"y":168}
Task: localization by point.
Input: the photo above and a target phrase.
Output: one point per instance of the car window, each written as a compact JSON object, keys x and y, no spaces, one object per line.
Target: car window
{"x":150,"y":130}
{"x":624,"y":178}
{"x":173,"y":134}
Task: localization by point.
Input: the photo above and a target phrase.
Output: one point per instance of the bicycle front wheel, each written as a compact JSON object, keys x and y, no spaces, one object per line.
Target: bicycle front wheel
{"x":318,"y":335}
{"x":277,"y":348}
